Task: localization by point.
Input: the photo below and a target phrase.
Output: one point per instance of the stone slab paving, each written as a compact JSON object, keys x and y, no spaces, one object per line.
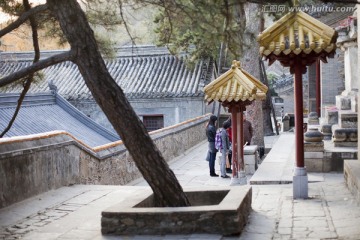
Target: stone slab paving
{"x":331,"y":212}
{"x":74,"y":212}
{"x":278,"y":165}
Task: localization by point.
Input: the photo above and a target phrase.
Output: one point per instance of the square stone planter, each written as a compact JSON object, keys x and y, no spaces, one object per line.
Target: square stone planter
{"x":215,"y":210}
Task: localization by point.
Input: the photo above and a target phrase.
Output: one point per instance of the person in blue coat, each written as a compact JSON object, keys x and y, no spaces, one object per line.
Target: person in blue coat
{"x":225,"y":147}
{"x":211,"y":133}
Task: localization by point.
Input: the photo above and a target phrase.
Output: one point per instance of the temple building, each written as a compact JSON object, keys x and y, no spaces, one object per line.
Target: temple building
{"x":160,"y":87}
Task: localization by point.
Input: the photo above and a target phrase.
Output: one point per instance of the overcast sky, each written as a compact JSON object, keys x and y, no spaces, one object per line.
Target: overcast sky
{"x":4,"y":17}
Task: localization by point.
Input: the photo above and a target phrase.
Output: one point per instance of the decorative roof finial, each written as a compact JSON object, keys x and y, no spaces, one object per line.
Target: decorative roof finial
{"x":52,"y":86}
{"x":235,"y":64}
{"x":296,"y":3}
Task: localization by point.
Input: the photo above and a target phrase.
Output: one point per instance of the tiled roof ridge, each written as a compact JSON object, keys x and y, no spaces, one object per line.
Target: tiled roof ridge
{"x":147,"y":76}
{"x":47,"y":111}
{"x":10,"y":100}
{"x":81,"y":117}
{"x":121,"y":51}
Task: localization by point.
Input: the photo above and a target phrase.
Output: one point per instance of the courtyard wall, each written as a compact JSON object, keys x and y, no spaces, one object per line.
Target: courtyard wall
{"x":30,"y":165}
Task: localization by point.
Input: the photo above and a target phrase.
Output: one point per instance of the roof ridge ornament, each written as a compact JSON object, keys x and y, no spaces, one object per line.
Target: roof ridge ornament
{"x":296,"y":3}
{"x":236,"y":64}
{"x":52,"y":86}
{"x":235,"y":86}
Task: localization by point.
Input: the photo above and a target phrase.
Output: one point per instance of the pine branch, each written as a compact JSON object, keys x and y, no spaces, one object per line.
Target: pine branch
{"x":30,"y":78}
{"x":62,"y":57}
{"x":23,"y":18}
{"x":132,"y":39}
{"x":27,"y":85}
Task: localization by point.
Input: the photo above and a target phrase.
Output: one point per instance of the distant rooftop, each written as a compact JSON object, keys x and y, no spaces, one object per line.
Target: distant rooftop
{"x":142,"y":72}
{"x":44,"y":112}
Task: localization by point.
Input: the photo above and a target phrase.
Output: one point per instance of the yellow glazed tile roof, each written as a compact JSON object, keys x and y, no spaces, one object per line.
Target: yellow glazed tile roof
{"x":235,"y":85}
{"x":297,"y":32}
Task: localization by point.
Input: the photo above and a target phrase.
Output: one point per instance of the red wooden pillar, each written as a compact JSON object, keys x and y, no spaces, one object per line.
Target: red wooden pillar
{"x":318,"y":88}
{"x":241,"y":138}
{"x":299,"y":121}
{"x":235,"y":163}
{"x":237,"y":119}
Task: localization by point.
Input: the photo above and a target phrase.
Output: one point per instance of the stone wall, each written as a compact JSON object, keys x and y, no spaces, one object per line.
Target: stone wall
{"x":33,"y":164}
{"x":332,"y":82}
{"x":174,"y":110}
{"x":137,"y":216}
{"x":351,"y":175}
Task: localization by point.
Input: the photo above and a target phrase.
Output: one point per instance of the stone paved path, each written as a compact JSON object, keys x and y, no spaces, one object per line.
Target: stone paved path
{"x":331,"y":212}
{"x":74,"y":212}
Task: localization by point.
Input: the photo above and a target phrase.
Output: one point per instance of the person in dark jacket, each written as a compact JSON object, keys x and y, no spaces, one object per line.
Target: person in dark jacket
{"x":229,"y":132}
{"x":248,"y":131}
{"x":225,"y":147}
{"x":211,"y":133}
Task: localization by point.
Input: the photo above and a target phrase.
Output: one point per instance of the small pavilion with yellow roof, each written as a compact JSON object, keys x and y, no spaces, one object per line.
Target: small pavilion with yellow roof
{"x":298,"y":40}
{"x":297,"y":35}
{"x":236,"y":89}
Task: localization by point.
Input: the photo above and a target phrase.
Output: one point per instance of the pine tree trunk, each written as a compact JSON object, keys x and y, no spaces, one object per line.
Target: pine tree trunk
{"x":112,"y":100}
{"x":250,"y":62}
{"x":266,"y":107}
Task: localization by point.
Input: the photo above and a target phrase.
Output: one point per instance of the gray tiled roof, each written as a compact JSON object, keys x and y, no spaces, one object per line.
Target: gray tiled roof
{"x":142,"y":72}
{"x":44,"y":112}
{"x":334,"y":18}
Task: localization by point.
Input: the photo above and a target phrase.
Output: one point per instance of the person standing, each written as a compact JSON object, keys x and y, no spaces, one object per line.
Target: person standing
{"x":229,"y":132}
{"x":248,"y":131}
{"x":225,"y":145}
{"x":211,"y":133}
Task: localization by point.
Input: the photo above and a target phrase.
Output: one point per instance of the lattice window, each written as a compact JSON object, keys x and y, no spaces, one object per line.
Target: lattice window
{"x":153,"y":122}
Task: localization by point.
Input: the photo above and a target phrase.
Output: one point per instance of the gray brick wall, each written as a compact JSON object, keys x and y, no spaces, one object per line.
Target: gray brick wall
{"x":332,"y":82}
{"x":30,"y":165}
{"x":174,"y":110}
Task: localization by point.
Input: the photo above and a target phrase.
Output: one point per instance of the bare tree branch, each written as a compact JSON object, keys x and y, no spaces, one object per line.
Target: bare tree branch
{"x":341,"y":1}
{"x":30,"y":78}
{"x":27,"y":85}
{"x":125,"y":23}
{"x":24,"y":17}
{"x":62,"y":57}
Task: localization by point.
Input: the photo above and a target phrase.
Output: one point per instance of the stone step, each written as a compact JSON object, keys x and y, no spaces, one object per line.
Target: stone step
{"x":343,"y":102}
{"x":331,"y":115}
{"x":344,"y":137}
{"x":347,"y":119}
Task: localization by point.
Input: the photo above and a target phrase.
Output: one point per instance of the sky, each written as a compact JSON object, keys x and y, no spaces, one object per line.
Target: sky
{"x":4,"y":17}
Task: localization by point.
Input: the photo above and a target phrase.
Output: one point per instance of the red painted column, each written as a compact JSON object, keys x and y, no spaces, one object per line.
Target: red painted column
{"x":235,"y":162}
{"x":318,"y":88}
{"x":241,"y":139}
{"x":299,"y":120}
